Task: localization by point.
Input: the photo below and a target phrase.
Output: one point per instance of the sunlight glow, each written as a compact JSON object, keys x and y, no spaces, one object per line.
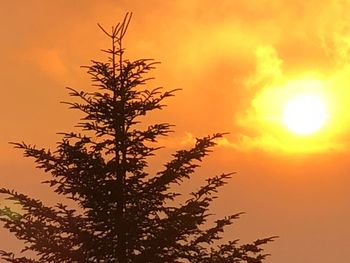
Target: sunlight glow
{"x":299,"y":115}
{"x":305,"y":114}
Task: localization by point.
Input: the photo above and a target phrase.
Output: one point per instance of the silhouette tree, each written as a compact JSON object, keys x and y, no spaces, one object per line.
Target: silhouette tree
{"x":125,"y":214}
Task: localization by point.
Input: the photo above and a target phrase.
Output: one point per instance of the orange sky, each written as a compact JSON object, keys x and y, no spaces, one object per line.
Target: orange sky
{"x":232,"y":59}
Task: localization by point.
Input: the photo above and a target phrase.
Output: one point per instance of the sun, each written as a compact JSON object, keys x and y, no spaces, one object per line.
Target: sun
{"x":305,"y":114}
{"x":299,"y":114}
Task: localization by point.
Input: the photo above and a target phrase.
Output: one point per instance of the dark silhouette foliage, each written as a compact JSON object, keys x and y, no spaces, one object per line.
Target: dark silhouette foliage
{"x":125,"y":214}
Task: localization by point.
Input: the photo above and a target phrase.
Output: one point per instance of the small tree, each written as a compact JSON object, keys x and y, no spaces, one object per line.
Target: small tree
{"x":126,"y":215}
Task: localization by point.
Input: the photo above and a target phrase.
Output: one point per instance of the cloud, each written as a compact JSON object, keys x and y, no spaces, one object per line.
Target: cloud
{"x":49,"y":61}
{"x":226,"y":56}
{"x":261,"y":125}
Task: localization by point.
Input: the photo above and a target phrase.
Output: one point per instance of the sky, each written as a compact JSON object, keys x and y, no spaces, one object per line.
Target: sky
{"x":238,"y":64}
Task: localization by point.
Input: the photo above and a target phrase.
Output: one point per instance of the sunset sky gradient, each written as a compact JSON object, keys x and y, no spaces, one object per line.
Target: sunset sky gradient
{"x":237,"y":62}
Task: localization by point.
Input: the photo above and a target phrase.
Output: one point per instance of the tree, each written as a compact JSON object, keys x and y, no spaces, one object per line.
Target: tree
{"x":125,"y":214}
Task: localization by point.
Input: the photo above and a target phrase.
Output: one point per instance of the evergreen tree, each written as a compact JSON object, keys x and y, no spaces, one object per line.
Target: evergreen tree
{"x":125,"y":214}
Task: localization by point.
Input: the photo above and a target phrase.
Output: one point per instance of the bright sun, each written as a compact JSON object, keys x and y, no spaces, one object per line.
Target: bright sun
{"x":305,"y":114}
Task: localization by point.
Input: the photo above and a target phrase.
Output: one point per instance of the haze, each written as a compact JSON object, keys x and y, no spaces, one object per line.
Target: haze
{"x":227,"y":57}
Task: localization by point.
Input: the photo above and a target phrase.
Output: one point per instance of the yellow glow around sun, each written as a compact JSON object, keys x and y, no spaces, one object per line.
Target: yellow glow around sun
{"x":297,"y":112}
{"x":305,"y":114}
{"x":296,"y":115}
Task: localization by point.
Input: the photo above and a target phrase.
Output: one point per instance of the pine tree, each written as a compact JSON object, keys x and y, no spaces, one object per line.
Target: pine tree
{"x":125,"y":214}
